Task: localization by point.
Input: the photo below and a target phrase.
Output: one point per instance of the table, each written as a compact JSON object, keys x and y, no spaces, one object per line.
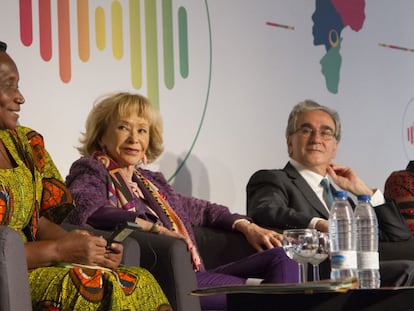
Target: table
{"x":359,"y":299}
{"x":267,"y":297}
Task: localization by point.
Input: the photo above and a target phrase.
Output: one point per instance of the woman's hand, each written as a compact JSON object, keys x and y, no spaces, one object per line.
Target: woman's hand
{"x":76,"y":246}
{"x":79,"y":246}
{"x":157,"y":229}
{"x":113,"y":256}
{"x":260,"y":238}
{"x":322,"y":225}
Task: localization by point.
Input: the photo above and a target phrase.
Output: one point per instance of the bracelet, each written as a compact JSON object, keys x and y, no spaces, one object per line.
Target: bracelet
{"x":154,"y":227}
{"x":137,"y":224}
{"x":240,"y":220}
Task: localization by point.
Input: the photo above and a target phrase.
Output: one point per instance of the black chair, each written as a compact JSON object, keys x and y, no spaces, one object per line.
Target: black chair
{"x":170,"y":262}
{"x":14,"y":282}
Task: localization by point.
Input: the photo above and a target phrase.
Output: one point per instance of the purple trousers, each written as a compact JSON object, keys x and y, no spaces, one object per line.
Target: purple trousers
{"x":272,"y":265}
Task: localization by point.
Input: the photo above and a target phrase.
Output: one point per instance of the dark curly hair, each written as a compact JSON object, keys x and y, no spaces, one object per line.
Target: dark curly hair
{"x":3,"y":46}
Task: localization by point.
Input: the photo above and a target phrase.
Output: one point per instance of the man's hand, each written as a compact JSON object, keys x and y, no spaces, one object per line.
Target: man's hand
{"x":348,"y":180}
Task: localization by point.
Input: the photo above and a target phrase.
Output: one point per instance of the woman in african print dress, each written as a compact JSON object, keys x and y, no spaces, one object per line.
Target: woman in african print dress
{"x":34,"y":200}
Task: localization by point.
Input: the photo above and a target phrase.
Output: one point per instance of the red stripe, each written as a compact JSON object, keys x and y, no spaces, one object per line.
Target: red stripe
{"x":45,"y":30}
{"x":26,"y":25}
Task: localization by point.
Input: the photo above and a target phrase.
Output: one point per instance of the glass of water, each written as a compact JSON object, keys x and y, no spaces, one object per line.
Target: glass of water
{"x":321,"y":254}
{"x":300,"y":245}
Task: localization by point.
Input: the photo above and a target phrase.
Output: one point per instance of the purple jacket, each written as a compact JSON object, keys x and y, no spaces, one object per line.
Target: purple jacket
{"x":88,"y":178}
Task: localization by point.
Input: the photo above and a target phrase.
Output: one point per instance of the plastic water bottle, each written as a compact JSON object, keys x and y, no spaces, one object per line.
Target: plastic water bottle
{"x":342,"y":238}
{"x":367,"y":243}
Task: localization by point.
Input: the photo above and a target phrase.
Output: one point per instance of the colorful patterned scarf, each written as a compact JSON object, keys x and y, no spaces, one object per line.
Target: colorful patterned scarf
{"x":119,"y":192}
{"x":120,"y":195}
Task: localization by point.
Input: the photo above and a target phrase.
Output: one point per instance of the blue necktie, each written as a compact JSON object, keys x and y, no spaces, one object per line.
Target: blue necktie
{"x":327,"y":192}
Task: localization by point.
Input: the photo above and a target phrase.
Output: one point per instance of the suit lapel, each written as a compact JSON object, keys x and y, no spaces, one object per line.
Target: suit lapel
{"x":306,"y":190}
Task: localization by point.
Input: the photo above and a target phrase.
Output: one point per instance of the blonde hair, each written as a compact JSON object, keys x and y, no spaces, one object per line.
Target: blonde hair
{"x":119,"y":105}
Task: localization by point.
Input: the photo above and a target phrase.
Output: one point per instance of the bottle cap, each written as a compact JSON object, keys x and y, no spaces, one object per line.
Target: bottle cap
{"x":341,"y":194}
{"x":364,"y":197}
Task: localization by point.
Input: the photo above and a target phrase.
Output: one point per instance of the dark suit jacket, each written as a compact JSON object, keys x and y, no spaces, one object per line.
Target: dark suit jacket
{"x":282,"y":199}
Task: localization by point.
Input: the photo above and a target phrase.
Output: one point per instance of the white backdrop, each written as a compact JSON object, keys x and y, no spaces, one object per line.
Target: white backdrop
{"x":227,"y":118}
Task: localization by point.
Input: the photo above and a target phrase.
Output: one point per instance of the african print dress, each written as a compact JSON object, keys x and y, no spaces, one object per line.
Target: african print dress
{"x":34,"y":188}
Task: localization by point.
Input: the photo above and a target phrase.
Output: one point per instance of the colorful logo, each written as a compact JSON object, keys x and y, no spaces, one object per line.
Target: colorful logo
{"x":408,"y":130}
{"x":152,"y":37}
{"x":93,"y":26}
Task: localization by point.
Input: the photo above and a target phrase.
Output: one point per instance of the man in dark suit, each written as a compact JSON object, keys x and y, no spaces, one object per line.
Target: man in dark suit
{"x":294,"y":197}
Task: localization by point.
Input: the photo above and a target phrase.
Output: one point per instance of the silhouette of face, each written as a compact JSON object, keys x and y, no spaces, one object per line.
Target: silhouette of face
{"x":10,"y":96}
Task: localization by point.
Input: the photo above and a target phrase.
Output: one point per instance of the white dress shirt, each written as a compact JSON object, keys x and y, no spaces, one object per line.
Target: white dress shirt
{"x":314,"y":181}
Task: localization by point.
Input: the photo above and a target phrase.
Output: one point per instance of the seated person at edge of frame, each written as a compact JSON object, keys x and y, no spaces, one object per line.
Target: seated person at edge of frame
{"x":34,"y":200}
{"x":109,"y":185}
{"x":293,"y":197}
{"x":399,"y":186}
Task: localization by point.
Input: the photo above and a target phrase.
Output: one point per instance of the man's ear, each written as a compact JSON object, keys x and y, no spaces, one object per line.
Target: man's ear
{"x":289,"y":145}
{"x":334,"y":151}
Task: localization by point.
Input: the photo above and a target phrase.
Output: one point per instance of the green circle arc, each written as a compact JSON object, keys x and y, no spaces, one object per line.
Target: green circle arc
{"x":180,"y":166}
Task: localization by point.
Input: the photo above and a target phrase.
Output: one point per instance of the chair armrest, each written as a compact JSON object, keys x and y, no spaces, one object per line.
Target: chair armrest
{"x":403,"y":250}
{"x":218,"y":247}
{"x":14,"y":281}
{"x":131,"y":255}
{"x":169,"y":261}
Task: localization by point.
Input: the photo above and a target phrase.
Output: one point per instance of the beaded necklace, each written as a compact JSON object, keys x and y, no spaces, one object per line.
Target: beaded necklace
{"x":161,"y":200}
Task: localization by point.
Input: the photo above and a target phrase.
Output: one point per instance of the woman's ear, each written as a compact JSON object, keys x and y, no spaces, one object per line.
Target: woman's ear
{"x":144,"y":159}
{"x":102,"y":146}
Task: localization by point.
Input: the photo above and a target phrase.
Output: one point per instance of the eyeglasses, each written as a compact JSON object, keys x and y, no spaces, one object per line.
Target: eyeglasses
{"x":324,"y":133}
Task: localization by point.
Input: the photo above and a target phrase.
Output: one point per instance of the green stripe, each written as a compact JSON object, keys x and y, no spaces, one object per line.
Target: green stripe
{"x":152,"y":51}
{"x":183,"y":41}
{"x":181,"y":165}
{"x":135,"y":38}
{"x":117,"y":35}
{"x":167,"y":30}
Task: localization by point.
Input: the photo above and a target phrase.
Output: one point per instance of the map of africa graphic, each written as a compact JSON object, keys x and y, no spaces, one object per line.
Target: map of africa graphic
{"x":329,"y":19}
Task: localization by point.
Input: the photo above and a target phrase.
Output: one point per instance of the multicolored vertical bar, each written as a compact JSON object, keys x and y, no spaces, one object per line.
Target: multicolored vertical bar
{"x":117,"y":44}
{"x":410,"y":134}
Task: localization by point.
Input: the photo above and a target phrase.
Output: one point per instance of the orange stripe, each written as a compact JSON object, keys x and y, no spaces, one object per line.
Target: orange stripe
{"x":83,"y":30}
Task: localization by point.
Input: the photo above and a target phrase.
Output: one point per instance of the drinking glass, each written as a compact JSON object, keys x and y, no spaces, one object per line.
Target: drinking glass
{"x":320,"y":255}
{"x":300,"y":245}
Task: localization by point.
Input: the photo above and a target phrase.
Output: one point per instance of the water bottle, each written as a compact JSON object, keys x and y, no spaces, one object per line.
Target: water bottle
{"x":342,"y":238}
{"x":367,"y":243}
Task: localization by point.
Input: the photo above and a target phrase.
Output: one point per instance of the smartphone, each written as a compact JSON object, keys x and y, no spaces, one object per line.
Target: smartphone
{"x":122,"y":231}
